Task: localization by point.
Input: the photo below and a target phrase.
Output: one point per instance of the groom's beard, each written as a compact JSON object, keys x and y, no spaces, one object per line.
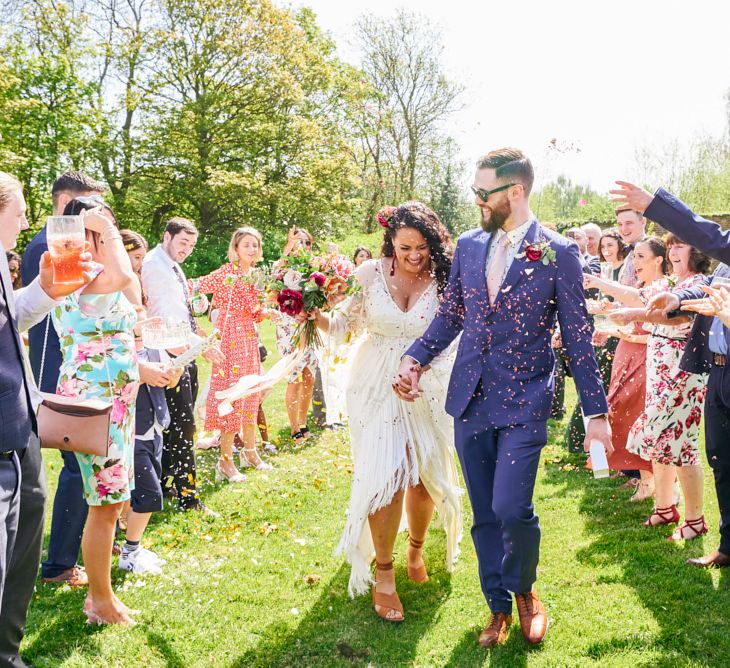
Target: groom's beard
{"x":497,"y":217}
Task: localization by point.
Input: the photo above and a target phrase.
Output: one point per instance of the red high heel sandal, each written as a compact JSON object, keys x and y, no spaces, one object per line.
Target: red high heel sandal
{"x":668,"y":515}
{"x":690,"y":530}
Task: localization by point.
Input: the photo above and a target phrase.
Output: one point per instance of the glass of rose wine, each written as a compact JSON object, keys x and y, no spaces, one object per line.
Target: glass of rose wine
{"x":66,"y":237}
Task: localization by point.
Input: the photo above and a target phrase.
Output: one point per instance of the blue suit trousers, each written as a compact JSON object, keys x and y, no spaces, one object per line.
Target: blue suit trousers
{"x":500,"y":467}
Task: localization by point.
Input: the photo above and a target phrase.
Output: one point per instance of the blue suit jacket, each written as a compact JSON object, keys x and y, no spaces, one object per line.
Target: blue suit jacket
{"x":29,"y":269}
{"x":705,"y":235}
{"x":151,"y":402}
{"x":507,"y":345}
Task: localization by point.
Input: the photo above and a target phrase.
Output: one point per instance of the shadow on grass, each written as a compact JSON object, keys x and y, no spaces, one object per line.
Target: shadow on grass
{"x":339,"y":631}
{"x":514,"y":653}
{"x":690,"y":611}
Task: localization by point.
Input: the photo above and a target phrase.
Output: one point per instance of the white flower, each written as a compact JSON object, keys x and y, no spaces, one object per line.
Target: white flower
{"x":292,"y":279}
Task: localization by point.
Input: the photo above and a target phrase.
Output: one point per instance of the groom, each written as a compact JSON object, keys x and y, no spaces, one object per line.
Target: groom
{"x":508,"y":283}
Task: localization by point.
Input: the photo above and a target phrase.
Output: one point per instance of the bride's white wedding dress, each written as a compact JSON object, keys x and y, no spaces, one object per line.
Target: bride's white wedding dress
{"x":395,"y":444}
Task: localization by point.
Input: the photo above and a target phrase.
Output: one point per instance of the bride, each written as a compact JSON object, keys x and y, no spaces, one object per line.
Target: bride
{"x":402,"y":452}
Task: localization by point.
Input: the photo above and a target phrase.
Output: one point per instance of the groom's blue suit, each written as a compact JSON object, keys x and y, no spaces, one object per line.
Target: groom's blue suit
{"x":501,"y":391}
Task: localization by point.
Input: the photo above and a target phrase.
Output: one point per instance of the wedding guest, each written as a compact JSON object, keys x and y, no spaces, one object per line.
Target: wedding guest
{"x":69,"y":507}
{"x":300,"y":385}
{"x":588,"y":262}
{"x":593,"y":238}
{"x":627,"y":390}
{"x":613,"y":250}
{"x":631,"y":226}
{"x":14,"y":269}
{"x":236,"y":297}
{"x":667,"y":432}
{"x":168,"y":296}
{"x":151,"y":419}
{"x":709,"y":342}
{"x":22,"y":484}
{"x":362,"y":254}
{"x":99,"y":321}
{"x":402,"y":453}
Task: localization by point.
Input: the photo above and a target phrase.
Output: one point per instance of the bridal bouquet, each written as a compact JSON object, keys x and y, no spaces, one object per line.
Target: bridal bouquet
{"x":303,"y":282}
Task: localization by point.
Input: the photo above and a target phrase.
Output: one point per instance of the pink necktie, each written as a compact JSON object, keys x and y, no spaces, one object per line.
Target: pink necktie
{"x":496,"y":269}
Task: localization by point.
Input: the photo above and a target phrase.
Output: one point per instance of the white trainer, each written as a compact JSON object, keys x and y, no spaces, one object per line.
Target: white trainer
{"x":141,"y":562}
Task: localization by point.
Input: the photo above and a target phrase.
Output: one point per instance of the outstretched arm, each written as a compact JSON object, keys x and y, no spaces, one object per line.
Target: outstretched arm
{"x":676,"y":217}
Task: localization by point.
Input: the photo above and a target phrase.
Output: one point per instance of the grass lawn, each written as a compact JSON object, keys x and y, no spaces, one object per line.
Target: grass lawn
{"x":260,"y":587}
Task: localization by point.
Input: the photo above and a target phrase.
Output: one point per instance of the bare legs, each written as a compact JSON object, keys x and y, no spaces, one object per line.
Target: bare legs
{"x":691,"y":480}
{"x":298,"y":400}
{"x":645,"y":488}
{"x":384,"y":528}
{"x":248,"y":436}
{"x":96,"y":546}
{"x":225,"y":463}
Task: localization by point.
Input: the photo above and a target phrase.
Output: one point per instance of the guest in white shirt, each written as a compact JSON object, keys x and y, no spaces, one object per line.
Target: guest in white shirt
{"x":168,"y":296}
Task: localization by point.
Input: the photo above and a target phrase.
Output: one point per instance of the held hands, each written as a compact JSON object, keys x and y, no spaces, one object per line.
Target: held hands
{"x":665,"y":302}
{"x":406,"y":381}
{"x":632,"y":196}
{"x":59,"y":291}
{"x":599,"y":429}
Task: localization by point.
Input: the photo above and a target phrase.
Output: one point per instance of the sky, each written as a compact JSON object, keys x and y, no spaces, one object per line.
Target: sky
{"x":610,"y":78}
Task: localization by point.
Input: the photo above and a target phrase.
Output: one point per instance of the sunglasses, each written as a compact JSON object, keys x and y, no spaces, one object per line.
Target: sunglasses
{"x":484,"y":194}
{"x":92,"y":200}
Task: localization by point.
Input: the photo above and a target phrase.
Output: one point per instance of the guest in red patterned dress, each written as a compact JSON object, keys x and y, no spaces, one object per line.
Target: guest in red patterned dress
{"x":667,"y":432}
{"x":237,"y":299}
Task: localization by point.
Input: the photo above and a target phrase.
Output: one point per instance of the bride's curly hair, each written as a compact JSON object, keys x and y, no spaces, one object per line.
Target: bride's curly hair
{"x":419,"y":217}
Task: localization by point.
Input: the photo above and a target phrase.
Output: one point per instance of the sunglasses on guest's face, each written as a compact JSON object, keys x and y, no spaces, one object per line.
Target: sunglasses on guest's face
{"x":484,"y":194}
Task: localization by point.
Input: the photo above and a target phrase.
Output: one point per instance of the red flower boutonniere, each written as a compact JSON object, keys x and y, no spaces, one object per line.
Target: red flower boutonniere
{"x":539,"y":252}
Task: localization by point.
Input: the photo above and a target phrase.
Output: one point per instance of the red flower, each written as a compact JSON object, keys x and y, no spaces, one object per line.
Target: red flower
{"x":318,"y":277}
{"x":290,"y":302}
{"x":533,"y":253}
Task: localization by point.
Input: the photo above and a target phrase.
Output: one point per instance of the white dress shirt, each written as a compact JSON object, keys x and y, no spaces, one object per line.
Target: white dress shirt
{"x":166,"y":296}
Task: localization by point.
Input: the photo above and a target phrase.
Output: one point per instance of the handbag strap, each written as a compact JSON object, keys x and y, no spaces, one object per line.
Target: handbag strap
{"x":43,"y":354}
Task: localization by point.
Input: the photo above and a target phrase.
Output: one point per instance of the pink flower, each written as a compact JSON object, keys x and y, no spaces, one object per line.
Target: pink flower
{"x":119,"y":411}
{"x":111,"y":479}
{"x":582,"y":202}
{"x":318,"y":277}
{"x":68,"y":388}
{"x":129,"y":393}
{"x":341,"y":266}
{"x":86,"y":350}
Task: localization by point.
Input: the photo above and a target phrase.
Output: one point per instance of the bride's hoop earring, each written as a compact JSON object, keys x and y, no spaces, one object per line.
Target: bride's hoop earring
{"x":392,"y":267}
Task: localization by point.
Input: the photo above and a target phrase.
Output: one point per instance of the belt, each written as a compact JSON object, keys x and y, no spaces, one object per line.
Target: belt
{"x":719,"y":360}
{"x":7,"y":454}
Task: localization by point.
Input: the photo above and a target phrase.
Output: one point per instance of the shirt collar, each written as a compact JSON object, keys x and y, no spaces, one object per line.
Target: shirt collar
{"x":165,"y":257}
{"x":515,"y":235}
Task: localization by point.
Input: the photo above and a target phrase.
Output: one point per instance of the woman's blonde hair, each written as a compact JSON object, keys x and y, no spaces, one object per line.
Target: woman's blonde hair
{"x":239,"y":234}
{"x":8,"y":185}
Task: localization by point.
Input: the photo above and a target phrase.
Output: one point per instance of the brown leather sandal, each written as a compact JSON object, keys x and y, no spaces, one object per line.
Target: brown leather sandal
{"x":387,"y":604}
{"x":418,"y":574}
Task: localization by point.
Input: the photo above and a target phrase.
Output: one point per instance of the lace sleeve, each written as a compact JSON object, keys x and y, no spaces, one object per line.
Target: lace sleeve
{"x":350,"y":318}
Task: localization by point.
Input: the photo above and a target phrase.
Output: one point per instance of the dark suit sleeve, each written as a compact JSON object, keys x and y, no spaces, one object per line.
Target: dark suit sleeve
{"x":576,"y":332}
{"x":675,"y":216}
{"x":449,"y":320}
{"x":30,"y":265}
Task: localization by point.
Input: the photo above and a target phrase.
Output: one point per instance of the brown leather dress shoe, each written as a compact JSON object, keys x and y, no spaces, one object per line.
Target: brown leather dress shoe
{"x":495,"y":633}
{"x":73,"y":577}
{"x":715,"y":560}
{"x":533,"y":620}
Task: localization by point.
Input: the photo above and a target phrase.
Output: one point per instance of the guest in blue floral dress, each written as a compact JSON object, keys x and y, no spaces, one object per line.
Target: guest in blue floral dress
{"x":95,"y":327}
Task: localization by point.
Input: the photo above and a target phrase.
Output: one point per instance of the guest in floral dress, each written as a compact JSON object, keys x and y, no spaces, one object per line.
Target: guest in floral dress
{"x":667,"y":432}
{"x":95,"y":327}
{"x":300,"y":387}
{"x":236,"y":298}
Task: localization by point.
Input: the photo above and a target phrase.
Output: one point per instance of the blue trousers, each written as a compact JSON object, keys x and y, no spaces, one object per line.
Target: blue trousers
{"x":69,"y":517}
{"x":500,"y":466}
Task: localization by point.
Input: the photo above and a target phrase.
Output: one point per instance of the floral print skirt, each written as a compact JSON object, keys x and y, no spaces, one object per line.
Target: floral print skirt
{"x":668,"y":430}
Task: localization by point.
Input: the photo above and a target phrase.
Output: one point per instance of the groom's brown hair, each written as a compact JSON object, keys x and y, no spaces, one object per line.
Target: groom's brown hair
{"x":509,"y":164}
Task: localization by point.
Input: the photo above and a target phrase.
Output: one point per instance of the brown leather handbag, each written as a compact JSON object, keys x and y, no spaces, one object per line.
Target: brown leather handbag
{"x":75,"y":425}
{"x":72,"y":424}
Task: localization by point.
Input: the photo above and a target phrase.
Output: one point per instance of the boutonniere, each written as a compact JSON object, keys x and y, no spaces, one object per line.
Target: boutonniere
{"x":672,"y":282}
{"x":541,"y":251}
